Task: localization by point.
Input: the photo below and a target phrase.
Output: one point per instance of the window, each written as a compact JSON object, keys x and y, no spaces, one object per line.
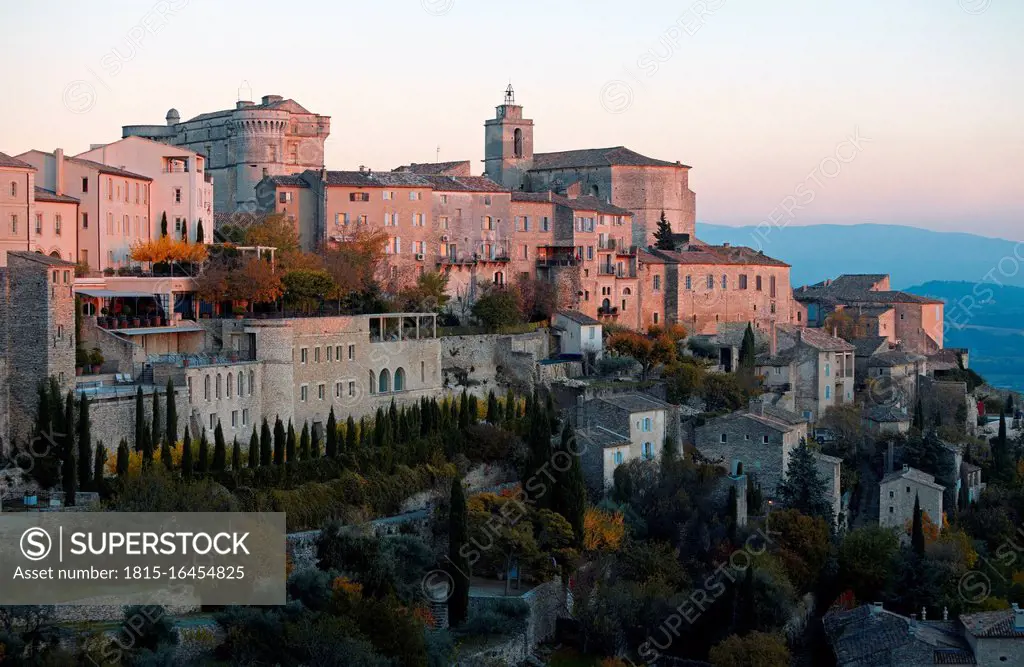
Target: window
{"x":617,"y":457}
{"x":526,"y":223}
{"x":764,"y":439}
{"x":321,"y":391}
{"x":85,"y":221}
{"x":110,"y":188}
{"x":828,"y":392}
{"x":757,"y":283}
{"x":828,"y":370}
{"x":230,"y":385}
{"x":359,"y":196}
{"x":648,"y":451}
{"x":892,"y":509}
{"x":488,"y":223}
{"x":351,"y":352}
{"x":351,"y":388}
{"x":384,"y":382}
{"x":213,"y":420}
{"x":725,"y":281}
{"x":373,"y":383}
{"x":206,"y":387}
{"x":303,"y":355}
{"x":646,"y":425}
{"x":444,"y":199}
{"x":330,"y":353}
{"x":219,"y":381}
{"x":655,"y":318}
{"x":657,"y":283}
{"x":85,"y":184}
{"x":14,"y":223}
{"x":136,"y":193}
{"x":711,"y":281}
{"x":304,"y":393}
{"x":39,"y":223}
{"x":234,"y":419}
{"x":245,"y":416}
{"x":177,"y":195}
{"x":725,"y":438}
{"x":590,"y":252}
{"x":743,"y":281}
{"x":126,"y":191}
{"x":337,"y":389}
{"x":285,"y":197}
{"x":771,"y":286}
{"x":414,"y":195}
{"x":316,"y":354}
{"x":241,"y":383}
{"x":892,"y":494}
{"x":399,"y":379}
{"x":689,"y":282}
{"x":388,"y":195}
{"x":423,"y":371}
{"x":545,"y":225}
{"x":252,"y":382}
{"x":592,"y":332}
{"x":487,"y":200}
{"x":337,"y":352}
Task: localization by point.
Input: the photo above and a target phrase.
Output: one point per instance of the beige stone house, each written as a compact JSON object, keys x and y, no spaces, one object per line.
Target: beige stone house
{"x":897,"y":493}
{"x":811,"y":372}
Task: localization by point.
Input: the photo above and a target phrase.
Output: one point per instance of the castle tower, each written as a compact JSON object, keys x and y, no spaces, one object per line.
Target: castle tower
{"x":40,"y":314}
{"x":257,"y":144}
{"x":508,"y":144}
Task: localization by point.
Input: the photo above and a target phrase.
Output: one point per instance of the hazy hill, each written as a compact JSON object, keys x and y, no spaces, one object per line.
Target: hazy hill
{"x":910,"y":255}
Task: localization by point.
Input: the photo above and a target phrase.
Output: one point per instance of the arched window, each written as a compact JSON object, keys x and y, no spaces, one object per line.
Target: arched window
{"x":626,"y":291}
{"x":231,"y":384}
{"x":241,"y":384}
{"x":606,"y":305}
{"x":399,"y":379}
{"x":384,"y":382}
{"x":218,"y":385}
{"x":206,"y":387}
{"x":828,"y":371}
{"x":14,"y":188}
{"x":373,"y":383}
{"x":828,"y":392}
{"x":517,"y":142}
{"x":594,"y":191}
{"x":499,"y":278}
{"x":252,"y":381}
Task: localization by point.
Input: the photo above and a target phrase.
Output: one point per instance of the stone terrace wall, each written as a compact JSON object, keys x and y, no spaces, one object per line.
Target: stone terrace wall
{"x":480,"y":363}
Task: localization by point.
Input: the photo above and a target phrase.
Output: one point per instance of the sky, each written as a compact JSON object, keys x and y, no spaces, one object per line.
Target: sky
{"x":805,"y":111}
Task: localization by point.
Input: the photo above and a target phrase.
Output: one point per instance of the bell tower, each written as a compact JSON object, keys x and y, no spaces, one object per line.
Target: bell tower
{"x":508,"y":144}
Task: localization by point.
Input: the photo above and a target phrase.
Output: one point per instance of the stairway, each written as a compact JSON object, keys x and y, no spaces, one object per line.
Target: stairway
{"x":147,"y":375}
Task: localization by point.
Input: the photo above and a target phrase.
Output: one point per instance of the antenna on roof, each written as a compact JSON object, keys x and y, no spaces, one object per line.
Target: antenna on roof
{"x":244,"y":86}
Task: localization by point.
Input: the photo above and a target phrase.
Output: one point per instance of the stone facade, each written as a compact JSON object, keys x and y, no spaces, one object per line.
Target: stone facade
{"x":37,"y":325}
{"x":897,"y":492}
{"x":581,"y":334}
{"x":996,"y":637}
{"x":481,"y":363}
{"x":813,"y":371}
{"x":243,"y":145}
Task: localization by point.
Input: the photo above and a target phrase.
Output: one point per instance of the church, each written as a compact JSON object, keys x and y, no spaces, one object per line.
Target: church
{"x":624,"y":178}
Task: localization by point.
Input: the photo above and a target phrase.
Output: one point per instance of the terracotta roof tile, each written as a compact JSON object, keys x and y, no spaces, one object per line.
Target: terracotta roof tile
{"x":701,"y":254}
{"x":598,"y":157}
{"x":14,"y":163}
{"x":42,"y":194}
{"x":433,"y":168}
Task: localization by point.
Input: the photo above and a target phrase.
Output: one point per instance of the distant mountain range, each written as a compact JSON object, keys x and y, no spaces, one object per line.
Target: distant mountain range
{"x":910,"y":255}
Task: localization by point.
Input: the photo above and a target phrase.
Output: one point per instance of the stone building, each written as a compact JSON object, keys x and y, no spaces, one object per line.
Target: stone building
{"x":617,"y":175}
{"x":911,"y":321}
{"x":182,"y":188}
{"x":275,"y":137}
{"x":618,"y":428}
{"x":892,"y":378}
{"x":897,"y":493}
{"x":996,"y":637}
{"x":114,"y":210}
{"x":37,"y":335}
{"x":812,"y":371}
{"x":578,"y":334}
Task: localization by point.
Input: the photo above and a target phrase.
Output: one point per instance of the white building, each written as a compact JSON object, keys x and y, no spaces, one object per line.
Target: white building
{"x":182,"y":189}
{"x":579,"y":333}
{"x":897,"y":492}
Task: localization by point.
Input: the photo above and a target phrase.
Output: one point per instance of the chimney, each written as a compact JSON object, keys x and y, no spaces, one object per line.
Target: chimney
{"x":1018,"y":618}
{"x":924,"y":613}
{"x":756,"y":407}
{"x":906,"y":468}
{"x":241,"y":104}
{"x":362,"y":168}
{"x":945,"y":613}
{"x":877,"y":607}
{"x":58,"y":171}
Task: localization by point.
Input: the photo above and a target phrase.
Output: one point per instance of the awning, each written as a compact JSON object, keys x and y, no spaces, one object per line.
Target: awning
{"x":112,"y":294}
{"x":142,"y":331}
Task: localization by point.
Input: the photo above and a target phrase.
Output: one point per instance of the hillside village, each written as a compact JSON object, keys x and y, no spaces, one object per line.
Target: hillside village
{"x":523,"y":417}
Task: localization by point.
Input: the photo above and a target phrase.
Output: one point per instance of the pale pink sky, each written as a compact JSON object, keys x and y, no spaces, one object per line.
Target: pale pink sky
{"x":753,"y":95}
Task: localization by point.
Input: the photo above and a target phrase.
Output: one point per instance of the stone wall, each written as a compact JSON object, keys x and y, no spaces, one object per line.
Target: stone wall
{"x":950,"y":400}
{"x":547,"y":603}
{"x":511,"y":651}
{"x":113,"y":417}
{"x":548,"y":373}
{"x":745,"y":444}
{"x":482,"y":363}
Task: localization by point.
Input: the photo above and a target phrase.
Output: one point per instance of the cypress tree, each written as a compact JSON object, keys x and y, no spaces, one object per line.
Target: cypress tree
{"x":552,"y":413}
{"x":266,"y":444}
{"x":167,"y":456}
{"x":140,"y":420}
{"x":186,"y":456}
{"x":364,"y":435}
{"x":172,"y":416}
{"x":279,"y":438}
{"x":380,"y":427}
{"x":290,"y":444}
{"x":99,"y":465}
{"x":147,"y":446}
{"x":315,"y":436}
{"x":200,"y":236}
{"x":463,"y":410}
{"x":122,"y":459}
{"x":236,"y":455}
{"x":69,"y":469}
{"x":84,"y":446}
{"x":254,"y":450}
{"x":351,"y":441}
{"x":1009,"y":404}
{"x":917,"y":529}
{"x":458,"y":536}
{"x":304,"y":446}
{"x":510,"y":406}
{"x":220,"y":452}
{"x":154,"y":435}
{"x":393,"y":421}
{"x":918,"y":422}
{"x":493,"y":413}
{"x":576,"y":494}
{"x":474,"y":410}
{"x":204,"y":454}
{"x":332,"y":435}
{"x":163,"y":224}
{"x":747,"y":351}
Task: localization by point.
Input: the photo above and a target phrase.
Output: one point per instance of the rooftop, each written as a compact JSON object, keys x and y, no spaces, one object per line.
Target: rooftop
{"x":914,"y":475}
{"x":695,"y":253}
{"x":865,"y":347}
{"x":42,"y":194}
{"x":435,"y":168}
{"x":578,"y":317}
{"x":894,"y":358}
{"x":636,"y":402}
{"x":992,"y":624}
{"x":13,"y":162}
{"x":821,"y":340}
{"x":602,"y":437}
{"x":857,"y":288}
{"x":288,"y":105}
{"x":39,"y":258}
{"x":617,"y":156}
{"x":887,"y":414}
{"x":291,"y":180}
{"x":871,"y":637}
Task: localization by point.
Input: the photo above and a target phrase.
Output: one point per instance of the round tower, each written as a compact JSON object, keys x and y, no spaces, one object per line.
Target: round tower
{"x":173,"y":117}
{"x":257,"y":140}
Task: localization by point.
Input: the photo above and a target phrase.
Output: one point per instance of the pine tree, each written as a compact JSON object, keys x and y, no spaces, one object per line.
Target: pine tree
{"x":204,"y":454}
{"x":266,"y":444}
{"x":663,"y":235}
{"x":99,"y":466}
{"x":254,"y":450}
{"x":122,"y":459}
{"x":84,"y":445}
{"x":748,"y":351}
{"x":332,"y":435}
{"x":172,"y":416}
{"x":917,"y":530}
{"x":351,"y":436}
{"x":187,"y":467}
{"x":220,"y":453}
{"x":304,"y":446}
{"x":458,"y":536}
{"x":69,"y":469}
{"x":804,"y":489}
{"x":167,"y":456}
{"x":279,"y":444}
{"x":236,"y":455}
{"x":140,"y":420}
{"x":290,"y":444}
{"x":156,"y":432}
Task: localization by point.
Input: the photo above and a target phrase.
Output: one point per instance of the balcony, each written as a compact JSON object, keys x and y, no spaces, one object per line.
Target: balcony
{"x":606,"y":244}
{"x":557,"y":261}
{"x":606,"y":270}
{"x":627,"y":251}
{"x":608,"y":312}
